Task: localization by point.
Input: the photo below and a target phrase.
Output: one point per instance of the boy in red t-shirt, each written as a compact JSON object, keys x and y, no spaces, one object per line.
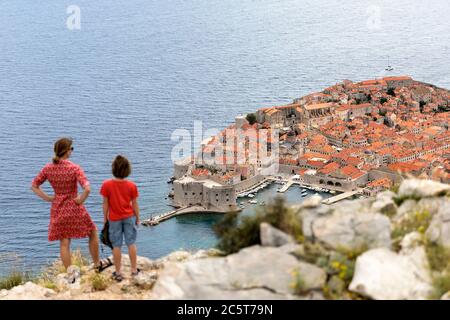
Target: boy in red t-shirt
{"x":121,"y":209}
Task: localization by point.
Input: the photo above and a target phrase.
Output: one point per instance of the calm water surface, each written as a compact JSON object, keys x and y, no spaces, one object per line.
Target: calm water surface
{"x":138,"y":69}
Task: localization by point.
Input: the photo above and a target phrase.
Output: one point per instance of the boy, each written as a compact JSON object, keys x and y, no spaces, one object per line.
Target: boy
{"x":121,"y":209}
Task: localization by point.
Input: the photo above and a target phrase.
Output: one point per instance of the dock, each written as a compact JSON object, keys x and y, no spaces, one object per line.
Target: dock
{"x":171,"y":214}
{"x":286,"y":186}
{"x":340,"y":197}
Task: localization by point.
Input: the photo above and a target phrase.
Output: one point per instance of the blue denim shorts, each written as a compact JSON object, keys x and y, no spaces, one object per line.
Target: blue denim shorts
{"x":125,"y":228}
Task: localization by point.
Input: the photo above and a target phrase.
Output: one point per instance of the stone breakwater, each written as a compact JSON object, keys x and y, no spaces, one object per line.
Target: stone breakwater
{"x":393,"y":246}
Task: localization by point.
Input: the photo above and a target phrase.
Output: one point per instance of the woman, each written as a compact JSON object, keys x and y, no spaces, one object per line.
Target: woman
{"x":68,"y":216}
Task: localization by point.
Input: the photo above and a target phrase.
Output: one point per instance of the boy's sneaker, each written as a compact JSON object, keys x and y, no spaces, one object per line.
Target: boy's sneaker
{"x":117,"y":276}
{"x":134,"y":274}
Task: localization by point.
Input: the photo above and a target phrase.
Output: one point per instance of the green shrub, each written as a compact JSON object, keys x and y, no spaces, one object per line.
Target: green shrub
{"x":236,"y":233}
{"x":414,"y":221}
{"x":298,"y":285}
{"x":438,"y":256}
{"x":441,"y":285}
{"x":251,"y":118}
{"x":342,"y":267}
{"x":14,"y":279}
{"x":391,"y":92}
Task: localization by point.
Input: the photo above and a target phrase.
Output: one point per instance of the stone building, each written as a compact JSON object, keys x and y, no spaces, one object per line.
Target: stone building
{"x":207,"y":193}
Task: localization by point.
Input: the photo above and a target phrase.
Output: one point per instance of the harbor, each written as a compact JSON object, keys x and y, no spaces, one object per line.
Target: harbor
{"x":259,"y":195}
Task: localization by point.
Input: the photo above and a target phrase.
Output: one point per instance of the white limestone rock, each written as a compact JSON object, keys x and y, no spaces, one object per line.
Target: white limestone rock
{"x":439,"y":229}
{"x":266,"y":272}
{"x":312,"y":201}
{"x":177,"y":256}
{"x":422,"y":188}
{"x":385,"y":275}
{"x":145,"y":280}
{"x":446,"y":296}
{"x":27,"y":291}
{"x":353,"y":230}
{"x":309,"y":215}
{"x":273,"y":237}
{"x":384,"y":203}
{"x":411,"y":241}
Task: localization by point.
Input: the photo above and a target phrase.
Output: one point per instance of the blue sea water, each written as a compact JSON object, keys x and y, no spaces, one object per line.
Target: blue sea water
{"x":139,"y":69}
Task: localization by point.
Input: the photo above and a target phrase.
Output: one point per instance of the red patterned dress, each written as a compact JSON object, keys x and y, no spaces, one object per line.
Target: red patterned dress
{"x":67,"y":219}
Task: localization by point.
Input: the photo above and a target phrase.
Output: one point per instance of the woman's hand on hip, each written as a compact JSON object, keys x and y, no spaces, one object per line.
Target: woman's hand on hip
{"x":79,"y":200}
{"x":50,"y":198}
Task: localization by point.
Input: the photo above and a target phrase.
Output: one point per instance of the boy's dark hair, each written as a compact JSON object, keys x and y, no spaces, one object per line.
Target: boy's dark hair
{"x":121,"y":167}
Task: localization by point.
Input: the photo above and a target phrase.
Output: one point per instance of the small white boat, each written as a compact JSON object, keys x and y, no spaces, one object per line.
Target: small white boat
{"x":389,"y":67}
{"x":251,"y":195}
{"x":253,"y":201}
{"x":332,"y":191}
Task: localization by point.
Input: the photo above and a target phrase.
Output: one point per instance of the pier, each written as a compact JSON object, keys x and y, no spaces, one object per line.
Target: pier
{"x":340,"y":197}
{"x":287,"y":185}
{"x":177,"y":212}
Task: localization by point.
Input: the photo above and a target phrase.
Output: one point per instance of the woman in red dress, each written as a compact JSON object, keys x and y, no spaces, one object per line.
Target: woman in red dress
{"x":68,"y":216}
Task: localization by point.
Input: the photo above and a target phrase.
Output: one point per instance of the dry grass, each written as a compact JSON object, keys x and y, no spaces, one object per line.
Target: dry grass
{"x":14,"y":279}
{"x":99,"y":282}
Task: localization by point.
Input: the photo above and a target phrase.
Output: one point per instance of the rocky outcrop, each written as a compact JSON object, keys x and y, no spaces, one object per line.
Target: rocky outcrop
{"x":350,"y":230}
{"x":384,"y":203}
{"x":253,"y":273}
{"x":28,"y":291}
{"x":386,"y":275}
{"x":439,"y":229}
{"x":393,"y":246}
{"x":419,"y":188}
{"x":273,"y":237}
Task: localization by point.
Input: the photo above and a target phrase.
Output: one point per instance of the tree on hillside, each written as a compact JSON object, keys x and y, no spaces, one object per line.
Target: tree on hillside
{"x":382,"y":112}
{"x":421,"y":105}
{"x":391,"y":92}
{"x":251,"y":118}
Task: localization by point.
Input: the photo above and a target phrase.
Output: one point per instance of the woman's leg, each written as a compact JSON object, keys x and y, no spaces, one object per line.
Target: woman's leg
{"x":93,"y":247}
{"x":64,"y":250}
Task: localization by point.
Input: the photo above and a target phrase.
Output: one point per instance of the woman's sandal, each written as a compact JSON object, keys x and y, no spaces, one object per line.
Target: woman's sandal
{"x":117,"y":277}
{"x":103,"y":265}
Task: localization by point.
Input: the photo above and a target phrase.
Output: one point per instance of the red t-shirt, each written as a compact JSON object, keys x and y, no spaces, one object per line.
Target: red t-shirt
{"x":120,"y":193}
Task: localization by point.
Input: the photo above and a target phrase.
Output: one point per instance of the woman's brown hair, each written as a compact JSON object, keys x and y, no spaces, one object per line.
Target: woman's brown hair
{"x":121,"y":167}
{"x":62,"y":146}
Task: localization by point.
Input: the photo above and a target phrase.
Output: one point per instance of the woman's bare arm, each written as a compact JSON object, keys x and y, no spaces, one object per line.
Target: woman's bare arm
{"x":105,"y":209}
{"x":135,"y":204}
{"x":41,"y":194}
{"x":82,"y":197}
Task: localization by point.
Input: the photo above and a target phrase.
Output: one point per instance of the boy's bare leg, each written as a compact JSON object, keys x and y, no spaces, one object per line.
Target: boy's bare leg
{"x":132,"y":252}
{"x":64,"y":250}
{"x":117,"y":257}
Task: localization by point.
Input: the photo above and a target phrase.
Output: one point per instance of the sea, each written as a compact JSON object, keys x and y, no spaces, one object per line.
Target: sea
{"x":120,"y":77}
